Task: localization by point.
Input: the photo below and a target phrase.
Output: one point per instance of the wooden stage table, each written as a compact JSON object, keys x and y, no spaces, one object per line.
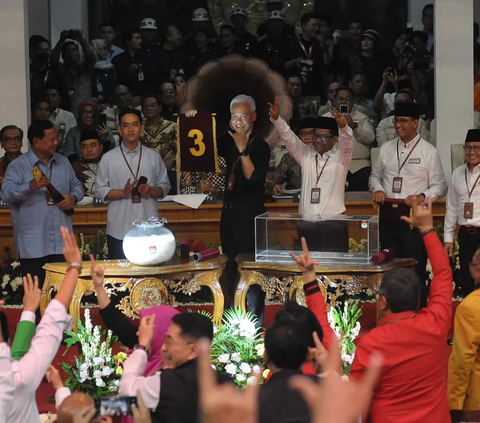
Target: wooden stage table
{"x":146,"y":286}
{"x":285,"y":281}
{"x":202,"y":224}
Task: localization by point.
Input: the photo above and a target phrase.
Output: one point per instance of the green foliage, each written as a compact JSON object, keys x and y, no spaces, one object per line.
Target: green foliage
{"x":97,"y":247}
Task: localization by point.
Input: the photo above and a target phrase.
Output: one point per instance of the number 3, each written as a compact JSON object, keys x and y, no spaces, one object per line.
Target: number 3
{"x":197,"y":137}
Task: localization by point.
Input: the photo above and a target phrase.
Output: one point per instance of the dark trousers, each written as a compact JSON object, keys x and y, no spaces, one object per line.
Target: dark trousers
{"x":35,"y":268}
{"x":406,"y":243}
{"x":115,"y":248}
{"x":468,"y":243}
{"x":358,"y":181}
{"x":324,"y":236}
{"x":237,"y":235}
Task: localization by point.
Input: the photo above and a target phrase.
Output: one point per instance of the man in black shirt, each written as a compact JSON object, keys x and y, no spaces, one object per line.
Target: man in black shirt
{"x":247,"y":156}
{"x":244,"y":41}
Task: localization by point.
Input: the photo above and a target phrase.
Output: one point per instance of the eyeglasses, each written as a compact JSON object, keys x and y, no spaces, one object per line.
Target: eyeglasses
{"x":11,"y":140}
{"x":168,"y":91}
{"x":88,"y":112}
{"x":401,"y":121}
{"x":314,"y":136}
{"x":469,"y":148}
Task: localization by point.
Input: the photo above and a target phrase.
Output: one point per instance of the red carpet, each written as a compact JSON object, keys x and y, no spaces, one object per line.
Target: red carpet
{"x":45,"y":391}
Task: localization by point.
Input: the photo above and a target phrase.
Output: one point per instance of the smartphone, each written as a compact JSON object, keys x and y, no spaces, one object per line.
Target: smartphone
{"x":114,"y":406}
{"x":345,"y":34}
{"x":344,"y":109}
{"x":142,"y":180}
{"x":99,"y":119}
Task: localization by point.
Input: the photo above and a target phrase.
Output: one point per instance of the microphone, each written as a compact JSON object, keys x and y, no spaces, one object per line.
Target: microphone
{"x":382,"y":256}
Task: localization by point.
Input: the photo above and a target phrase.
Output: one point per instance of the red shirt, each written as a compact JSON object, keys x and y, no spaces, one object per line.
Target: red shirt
{"x":413,"y":384}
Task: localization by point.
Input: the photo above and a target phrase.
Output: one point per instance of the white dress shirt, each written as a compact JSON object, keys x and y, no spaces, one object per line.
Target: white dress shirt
{"x":113,"y":173}
{"x":456,"y":198}
{"x":64,"y":117}
{"x":134,"y":381}
{"x":332,"y":182}
{"x":422,"y":172}
{"x":6,"y":382}
{"x":386,"y":130}
{"x":29,"y":371}
{"x":363,"y":137}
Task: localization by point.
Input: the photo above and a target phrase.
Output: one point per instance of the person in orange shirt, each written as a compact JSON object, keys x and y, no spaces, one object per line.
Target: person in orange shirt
{"x":464,"y":366}
{"x":413,"y":383}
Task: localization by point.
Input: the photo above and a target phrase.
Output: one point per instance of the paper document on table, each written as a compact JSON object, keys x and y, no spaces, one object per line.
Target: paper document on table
{"x":291,"y":191}
{"x":167,"y":198}
{"x":85,"y":201}
{"x":190,"y":200}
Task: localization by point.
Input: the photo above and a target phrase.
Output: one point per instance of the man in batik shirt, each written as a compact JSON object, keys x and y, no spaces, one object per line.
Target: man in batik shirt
{"x":86,"y":169}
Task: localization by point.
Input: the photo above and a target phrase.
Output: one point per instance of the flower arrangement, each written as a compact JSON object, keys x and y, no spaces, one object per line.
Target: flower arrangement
{"x":11,"y":279}
{"x":237,"y":347}
{"x":347,"y":327}
{"x":96,"y":371}
{"x":357,"y":247}
{"x":98,"y":246}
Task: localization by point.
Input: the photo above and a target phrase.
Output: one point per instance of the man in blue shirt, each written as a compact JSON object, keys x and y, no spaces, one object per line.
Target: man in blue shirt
{"x":36,"y":218}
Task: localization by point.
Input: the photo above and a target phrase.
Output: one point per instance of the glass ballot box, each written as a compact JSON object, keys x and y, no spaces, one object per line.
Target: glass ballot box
{"x":331,"y":240}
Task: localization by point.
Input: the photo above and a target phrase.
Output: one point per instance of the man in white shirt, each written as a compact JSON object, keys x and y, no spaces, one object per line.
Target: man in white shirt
{"x":463,"y":208}
{"x":386,"y":128}
{"x":363,"y":137}
{"x":407,"y":172}
{"x":118,"y":173}
{"x":64,"y":118}
{"x":324,"y":172}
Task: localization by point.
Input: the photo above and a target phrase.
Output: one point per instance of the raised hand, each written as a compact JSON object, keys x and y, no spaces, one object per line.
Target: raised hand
{"x":190,"y":113}
{"x":275,"y":109}
{"x":318,"y":356}
{"x":141,"y":414}
{"x":304,"y":261}
{"x":42,"y":182}
{"x":241,"y":139}
{"x":145,"y":330}
{"x":71,"y":252}
{"x":32,"y":294}
{"x":96,"y":272}
{"x":53,"y":377}
{"x":422,"y":217}
{"x":341,"y":120}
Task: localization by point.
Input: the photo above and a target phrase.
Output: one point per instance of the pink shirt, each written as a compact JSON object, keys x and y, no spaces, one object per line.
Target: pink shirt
{"x":6,"y":381}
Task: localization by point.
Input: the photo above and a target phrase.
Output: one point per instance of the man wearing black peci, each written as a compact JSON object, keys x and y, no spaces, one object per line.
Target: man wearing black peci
{"x":247,"y":156}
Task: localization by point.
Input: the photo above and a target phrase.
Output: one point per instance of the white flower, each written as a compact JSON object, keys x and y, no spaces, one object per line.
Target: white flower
{"x":6,"y":279}
{"x":223,"y":358}
{"x":107,"y":371}
{"x":247,"y":329}
{"x":260,"y":351}
{"x":251,"y":380}
{"x":213,"y":366}
{"x":257,"y":369}
{"x":240,"y":377}
{"x":348,"y":359}
{"x":345,"y":377}
{"x":83,"y":374}
{"x":4,"y":293}
{"x":98,"y":361}
{"x":97,"y":374}
{"x":15,"y":264}
{"x":100,"y":383}
{"x":112,"y":388}
{"x":245,"y":368}
{"x":16,"y":283}
{"x":231,"y":369}
{"x":84,"y":366}
{"x":215,"y":330}
{"x":236,"y":357}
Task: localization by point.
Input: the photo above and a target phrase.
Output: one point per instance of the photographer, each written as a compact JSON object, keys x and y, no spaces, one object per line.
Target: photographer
{"x":73,"y":75}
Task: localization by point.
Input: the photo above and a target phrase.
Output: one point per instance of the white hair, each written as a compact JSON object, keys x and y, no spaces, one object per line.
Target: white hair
{"x":242,"y":98}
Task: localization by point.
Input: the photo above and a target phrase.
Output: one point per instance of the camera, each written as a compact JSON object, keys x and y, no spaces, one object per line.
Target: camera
{"x":114,"y":406}
{"x":73,"y":34}
{"x":307,"y":67}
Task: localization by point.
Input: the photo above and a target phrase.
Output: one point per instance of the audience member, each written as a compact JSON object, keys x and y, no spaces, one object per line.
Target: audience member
{"x":358,"y":84}
{"x":386,"y":128}
{"x":352,"y":45}
{"x":180,"y":82}
{"x":29,"y":371}
{"x":396,"y":57}
{"x":72,"y":407}
{"x":37,"y":239}
{"x":11,"y":140}
{"x":363,"y":138}
{"x":332,"y":89}
{"x":118,"y":174}
{"x":159,"y":134}
{"x":203,"y":51}
{"x":286,"y":349}
{"x":106,"y":31}
{"x":172,"y":394}
{"x":149,"y":33}
{"x":123,"y":100}
{"x":169,"y":101}
{"x":462,"y":198}
{"x":412,"y":384}
{"x":407,"y":172}
{"x":275,"y":6}
{"x":228,"y":44}
{"x":463,"y":380}
{"x":288,"y":174}
{"x":244,"y":40}
{"x":6,"y":374}
{"x":104,"y":77}
{"x":306,"y":54}
{"x":73,"y":75}
{"x":86,"y":168}
{"x":172,"y":57}
{"x":428,"y":26}
{"x":294,"y":86}
{"x":204,"y":182}
{"x":65,"y":119}
{"x":271,"y":46}
{"x":39,"y":66}
{"x":41,"y":110}
{"x":324,"y":172}
{"x":420,"y":41}
{"x":86,"y":120}
{"x":133,"y":70}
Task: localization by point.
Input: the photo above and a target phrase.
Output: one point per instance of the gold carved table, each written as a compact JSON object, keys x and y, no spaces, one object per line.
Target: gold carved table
{"x":285,"y":281}
{"x":146,"y":286}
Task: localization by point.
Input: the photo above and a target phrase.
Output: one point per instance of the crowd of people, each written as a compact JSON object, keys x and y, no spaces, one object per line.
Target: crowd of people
{"x":103,"y":125}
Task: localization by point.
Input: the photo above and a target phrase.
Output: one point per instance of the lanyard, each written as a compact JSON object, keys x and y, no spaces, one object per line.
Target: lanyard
{"x":316,"y":168}
{"x":406,"y":158}
{"x":304,"y":49}
{"x":135,"y":176}
{"x":470,"y":191}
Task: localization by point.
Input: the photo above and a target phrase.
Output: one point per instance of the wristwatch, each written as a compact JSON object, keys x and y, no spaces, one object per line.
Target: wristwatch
{"x":355,"y":125}
{"x":140,"y":347}
{"x":244,"y":153}
{"x":77,"y":266}
{"x":152,"y":193}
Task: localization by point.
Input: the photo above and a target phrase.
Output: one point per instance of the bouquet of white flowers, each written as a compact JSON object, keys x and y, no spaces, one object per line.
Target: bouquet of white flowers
{"x":96,"y":371}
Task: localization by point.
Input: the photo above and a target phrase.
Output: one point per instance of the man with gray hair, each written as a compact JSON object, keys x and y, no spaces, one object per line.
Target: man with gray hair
{"x":247,"y":156}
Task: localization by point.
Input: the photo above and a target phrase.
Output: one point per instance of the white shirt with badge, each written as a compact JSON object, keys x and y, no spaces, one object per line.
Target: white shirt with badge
{"x":327,"y":196}
{"x":421,"y":170}
{"x":463,"y":208}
